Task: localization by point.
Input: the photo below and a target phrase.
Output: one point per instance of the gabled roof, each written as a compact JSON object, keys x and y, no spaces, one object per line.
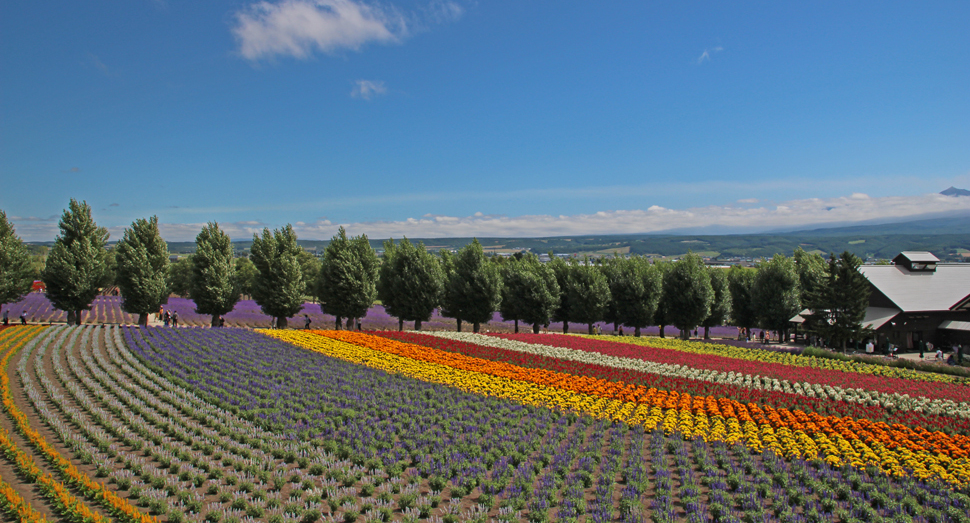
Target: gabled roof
{"x":877,"y":317}
{"x":921,"y":291}
{"x":919,"y":256}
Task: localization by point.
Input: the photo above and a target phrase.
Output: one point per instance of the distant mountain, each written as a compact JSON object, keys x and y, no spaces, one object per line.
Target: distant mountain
{"x":953,"y":191}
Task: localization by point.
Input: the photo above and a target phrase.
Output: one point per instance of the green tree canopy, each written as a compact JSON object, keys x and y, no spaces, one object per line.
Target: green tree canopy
{"x":279,"y":286}
{"x":740,"y":283}
{"x":16,"y":273}
{"x":77,"y":265}
{"x":141,"y":258}
{"x":529,"y":292}
{"x":561,"y":269}
{"x":411,"y":282}
{"x":178,"y":276}
{"x":638,"y":293}
{"x":839,"y":305}
{"x":347,"y":281}
{"x":721,"y":304}
{"x":589,"y":294}
{"x":245,"y":276}
{"x":474,"y":286}
{"x":213,"y":286}
{"x":661,"y":318}
{"x":612,"y":269}
{"x":687,"y":293}
{"x":775,"y":293}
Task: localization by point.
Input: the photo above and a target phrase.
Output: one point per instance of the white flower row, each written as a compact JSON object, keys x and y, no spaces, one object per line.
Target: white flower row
{"x":891,"y":401}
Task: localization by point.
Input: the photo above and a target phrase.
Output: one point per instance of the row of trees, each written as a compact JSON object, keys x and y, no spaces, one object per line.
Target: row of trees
{"x":411,"y":282}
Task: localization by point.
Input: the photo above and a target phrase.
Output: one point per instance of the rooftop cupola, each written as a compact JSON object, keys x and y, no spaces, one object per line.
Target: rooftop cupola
{"x":916,"y":261}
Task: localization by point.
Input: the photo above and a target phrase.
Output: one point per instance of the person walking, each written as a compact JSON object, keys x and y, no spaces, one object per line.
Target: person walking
{"x":23,"y":318}
{"x":306,"y":322}
{"x":6,"y":317}
{"x":175,"y":319}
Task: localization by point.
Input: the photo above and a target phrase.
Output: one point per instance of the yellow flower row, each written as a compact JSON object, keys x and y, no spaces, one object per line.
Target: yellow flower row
{"x":784,"y":441}
{"x":17,"y":507}
{"x":764,"y":356}
{"x":11,"y":340}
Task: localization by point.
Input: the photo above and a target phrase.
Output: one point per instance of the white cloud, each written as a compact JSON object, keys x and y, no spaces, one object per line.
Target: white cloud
{"x":368,"y":89}
{"x":794,"y":213}
{"x":706,"y":55}
{"x":299,"y":27}
{"x":444,"y":11}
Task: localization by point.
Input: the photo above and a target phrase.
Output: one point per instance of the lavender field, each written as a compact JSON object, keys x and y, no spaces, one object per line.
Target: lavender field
{"x":107,"y":310}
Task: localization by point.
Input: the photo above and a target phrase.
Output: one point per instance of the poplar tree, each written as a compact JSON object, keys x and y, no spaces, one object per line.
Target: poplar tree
{"x":660,"y":317}
{"x":740,"y":284}
{"x":589,"y":294}
{"x":16,"y":274}
{"x":687,"y":294}
{"x":561,"y":269}
{"x":278,"y":287}
{"x":141,"y":258}
{"x":776,"y":294}
{"x":638,"y":294}
{"x":214,"y":285}
{"x":721,"y":304}
{"x":347,"y":281}
{"x":529,"y":292}
{"x":77,"y":265}
{"x":411,"y":282}
{"x":474,"y":286}
{"x":178,"y":276}
{"x":612,"y":269}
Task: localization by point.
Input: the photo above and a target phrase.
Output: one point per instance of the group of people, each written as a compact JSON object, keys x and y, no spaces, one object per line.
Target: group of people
{"x":168,"y":317}
{"x":746,"y":334}
{"x":6,"y":318}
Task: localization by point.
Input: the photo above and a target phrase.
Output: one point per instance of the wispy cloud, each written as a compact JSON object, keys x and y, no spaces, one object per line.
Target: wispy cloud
{"x":706,"y":55}
{"x":368,"y":89}
{"x":299,"y":27}
{"x":97,"y":63}
{"x":794,"y":213}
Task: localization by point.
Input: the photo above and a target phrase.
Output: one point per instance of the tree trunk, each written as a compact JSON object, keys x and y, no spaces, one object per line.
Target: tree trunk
{"x":78,"y":316}
{"x":616,"y":327}
{"x":565,"y":327}
{"x":215,"y":320}
{"x":517,"y":326}
{"x":662,"y":332}
{"x":476,"y":327}
{"x":417,"y":325}
{"x":336,"y":324}
{"x":707,"y":333}
{"x":400,"y":325}
{"x":458,"y":321}
{"x":636,"y":332}
{"x":535,"y":328}
{"x":142,"y":319}
{"x":281,"y":323}
{"x":590,"y":328}
{"x":71,"y":315}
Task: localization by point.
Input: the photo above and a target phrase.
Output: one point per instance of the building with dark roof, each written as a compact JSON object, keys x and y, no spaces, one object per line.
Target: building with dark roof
{"x":918,"y":298}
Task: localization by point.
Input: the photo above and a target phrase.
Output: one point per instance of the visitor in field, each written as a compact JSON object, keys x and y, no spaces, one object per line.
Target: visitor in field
{"x":23,"y":318}
{"x":870,"y":348}
{"x":166,"y":318}
{"x":939,"y":354}
{"x":306,"y":322}
{"x":175,"y":319}
{"x":6,"y":317}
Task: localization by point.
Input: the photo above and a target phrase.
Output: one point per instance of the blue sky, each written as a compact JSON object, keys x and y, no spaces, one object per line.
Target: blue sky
{"x":442,"y":118}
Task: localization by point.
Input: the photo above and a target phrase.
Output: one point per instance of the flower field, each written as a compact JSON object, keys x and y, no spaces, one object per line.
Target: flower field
{"x":233,"y":425}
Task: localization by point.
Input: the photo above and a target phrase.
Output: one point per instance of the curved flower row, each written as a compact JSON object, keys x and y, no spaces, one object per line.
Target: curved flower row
{"x":16,"y":506}
{"x":744,"y":353}
{"x":734,"y":387}
{"x":885,"y":400}
{"x":70,"y":505}
{"x":613,"y":346}
{"x":857,"y":443}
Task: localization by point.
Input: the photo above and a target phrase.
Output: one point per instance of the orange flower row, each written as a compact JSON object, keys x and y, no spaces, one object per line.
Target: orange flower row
{"x":951,"y":447}
{"x":54,"y":489}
